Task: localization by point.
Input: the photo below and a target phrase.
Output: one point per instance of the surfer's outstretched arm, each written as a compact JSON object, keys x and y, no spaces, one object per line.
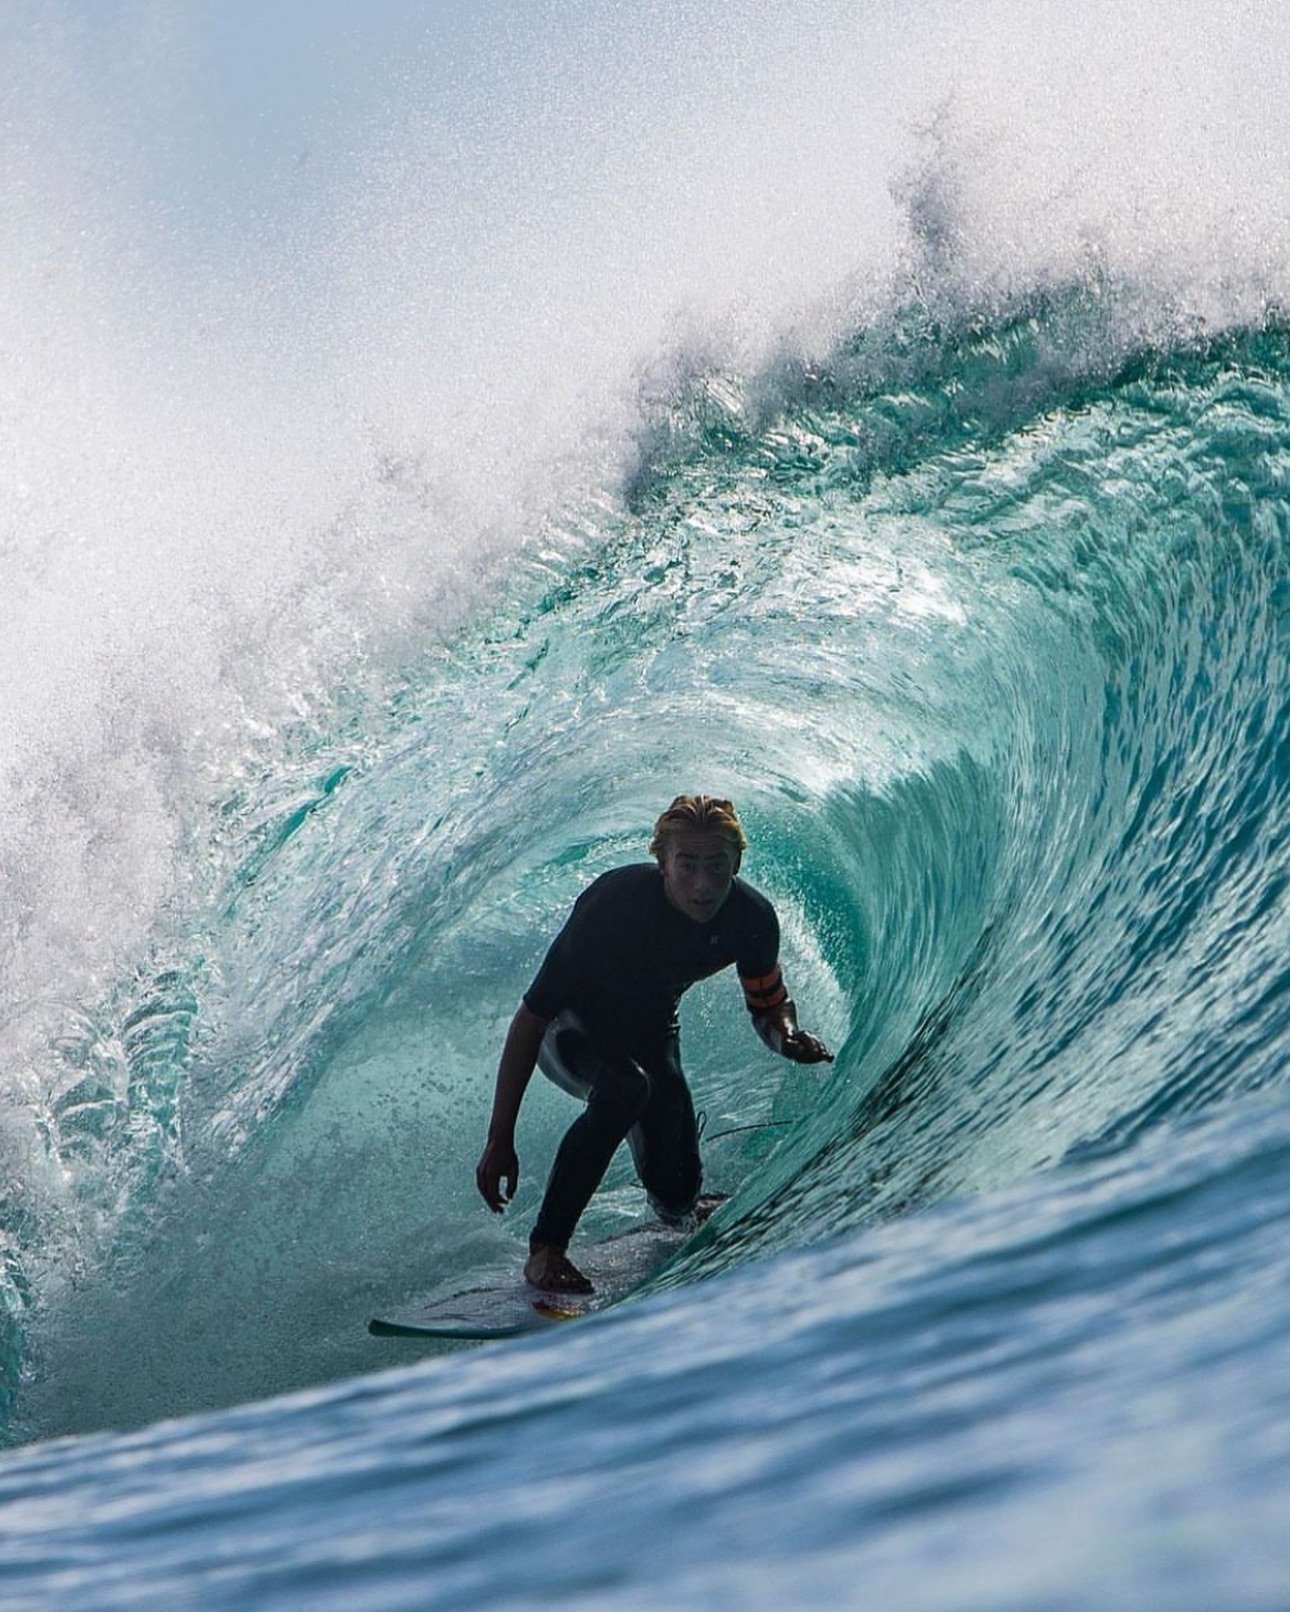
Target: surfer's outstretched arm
{"x":498,"y":1163}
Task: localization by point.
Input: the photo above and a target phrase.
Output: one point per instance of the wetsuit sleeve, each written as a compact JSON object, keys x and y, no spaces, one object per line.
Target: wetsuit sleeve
{"x":564,"y":966}
{"x":758,"y":962}
{"x":549,"y":992}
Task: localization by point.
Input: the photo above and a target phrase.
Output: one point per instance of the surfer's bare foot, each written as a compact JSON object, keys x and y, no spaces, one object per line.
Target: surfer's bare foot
{"x":702,"y":1209}
{"x":550,"y":1269}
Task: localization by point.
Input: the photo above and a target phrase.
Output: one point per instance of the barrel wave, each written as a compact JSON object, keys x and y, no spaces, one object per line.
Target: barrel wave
{"x":974,"y":593}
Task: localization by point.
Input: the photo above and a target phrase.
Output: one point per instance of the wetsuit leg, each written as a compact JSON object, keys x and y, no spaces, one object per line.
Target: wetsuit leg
{"x":617,"y":1092}
{"x":647,"y":1102}
{"x":665,"y":1140}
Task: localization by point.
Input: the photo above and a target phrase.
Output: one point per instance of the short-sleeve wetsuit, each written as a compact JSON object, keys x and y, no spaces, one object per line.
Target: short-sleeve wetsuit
{"x":610,"y":986}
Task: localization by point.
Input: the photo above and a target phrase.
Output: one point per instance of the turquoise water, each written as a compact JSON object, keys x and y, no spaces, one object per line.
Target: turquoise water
{"x":971,"y":584}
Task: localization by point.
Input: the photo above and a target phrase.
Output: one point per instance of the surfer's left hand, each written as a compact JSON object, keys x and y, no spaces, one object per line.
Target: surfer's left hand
{"x":802,"y":1047}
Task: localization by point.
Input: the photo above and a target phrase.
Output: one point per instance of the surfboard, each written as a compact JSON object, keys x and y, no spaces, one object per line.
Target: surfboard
{"x":508,"y":1307}
{"x":505,"y":1310}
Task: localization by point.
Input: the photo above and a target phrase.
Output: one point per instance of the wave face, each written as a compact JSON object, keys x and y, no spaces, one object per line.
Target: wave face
{"x":964,"y":568}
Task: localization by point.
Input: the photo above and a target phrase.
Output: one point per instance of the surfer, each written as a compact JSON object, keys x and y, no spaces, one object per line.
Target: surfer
{"x":600,"y":1019}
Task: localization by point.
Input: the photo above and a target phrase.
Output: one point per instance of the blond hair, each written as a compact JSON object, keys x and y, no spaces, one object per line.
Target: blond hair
{"x":705,"y":813}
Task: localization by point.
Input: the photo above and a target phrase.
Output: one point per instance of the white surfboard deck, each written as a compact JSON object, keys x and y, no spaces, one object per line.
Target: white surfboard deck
{"x":508,"y":1307}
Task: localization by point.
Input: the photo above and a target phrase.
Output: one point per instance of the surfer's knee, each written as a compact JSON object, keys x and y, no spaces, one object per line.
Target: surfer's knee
{"x":623,"y":1090}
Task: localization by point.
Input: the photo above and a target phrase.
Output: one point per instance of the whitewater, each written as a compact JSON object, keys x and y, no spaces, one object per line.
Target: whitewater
{"x":876,"y":413}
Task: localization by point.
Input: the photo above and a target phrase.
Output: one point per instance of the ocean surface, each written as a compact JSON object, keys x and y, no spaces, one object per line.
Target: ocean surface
{"x":880,"y":415}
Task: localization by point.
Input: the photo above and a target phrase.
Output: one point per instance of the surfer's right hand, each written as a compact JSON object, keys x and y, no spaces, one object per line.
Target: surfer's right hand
{"x":497,"y":1165}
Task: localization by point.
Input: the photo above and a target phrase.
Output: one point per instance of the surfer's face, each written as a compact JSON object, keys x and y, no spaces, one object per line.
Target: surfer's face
{"x":698,"y":869}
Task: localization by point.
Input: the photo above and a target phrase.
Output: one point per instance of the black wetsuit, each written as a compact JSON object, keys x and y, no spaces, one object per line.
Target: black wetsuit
{"x":610,"y":985}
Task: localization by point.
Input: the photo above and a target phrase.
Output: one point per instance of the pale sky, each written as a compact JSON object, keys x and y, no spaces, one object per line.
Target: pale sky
{"x":222,"y":109}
